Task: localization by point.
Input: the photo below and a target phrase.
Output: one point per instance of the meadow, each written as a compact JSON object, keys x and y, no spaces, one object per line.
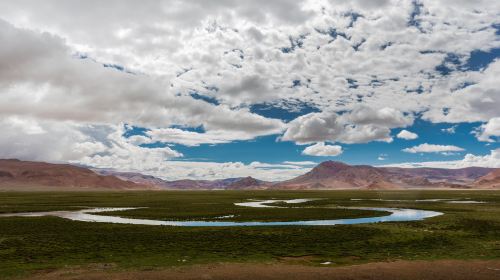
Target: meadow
{"x":28,"y":244}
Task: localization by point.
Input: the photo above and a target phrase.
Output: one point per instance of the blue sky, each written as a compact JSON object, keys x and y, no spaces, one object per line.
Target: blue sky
{"x":218,"y":89}
{"x":270,"y":149}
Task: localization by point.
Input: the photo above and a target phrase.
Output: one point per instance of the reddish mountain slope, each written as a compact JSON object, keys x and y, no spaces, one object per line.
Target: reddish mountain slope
{"x":462,"y":175}
{"x":187,"y":184}
{"x":337,"y":175}
{"x":490,"y":180}
{"x":137,"y":178}
{"x":24,"y":175}
{"x":247,"y":183}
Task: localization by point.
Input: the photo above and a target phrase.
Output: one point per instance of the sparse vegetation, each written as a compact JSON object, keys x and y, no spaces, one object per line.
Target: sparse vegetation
{"x":466,"y":231}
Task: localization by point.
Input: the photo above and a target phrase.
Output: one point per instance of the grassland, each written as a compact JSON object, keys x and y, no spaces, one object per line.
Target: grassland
{"x":466,"y":231}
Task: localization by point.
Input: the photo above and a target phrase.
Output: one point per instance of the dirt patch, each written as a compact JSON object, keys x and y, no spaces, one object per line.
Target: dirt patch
{"x":305,"y":259}
{"x":436,"y":270}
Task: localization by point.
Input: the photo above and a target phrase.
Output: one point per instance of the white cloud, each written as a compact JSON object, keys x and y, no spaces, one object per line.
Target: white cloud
{"x":306,"y":163}
{"x":382,"y":157}
{"x":431,"y":148}
{"x":489,"y":130}
{"x":449,"y":130}
{"x":355,"y":70}
{"x":320,"y":149}
{"x":29,"y":139}
{"x":39,"y":78}
{"x":236,"y":48}
{"x":361,"y":125}
{"x":313,"y":127}
{"x":69,"y":141}
{"x":191,"y":138}
{"x":407,"y":135}
{"x":476,"y":102}
{"x":199,"y":170}
{"x":120,"y":153}
{"x":490,"y":160}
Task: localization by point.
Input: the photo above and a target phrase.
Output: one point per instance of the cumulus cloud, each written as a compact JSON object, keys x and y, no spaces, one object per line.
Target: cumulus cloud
{"x":431,"y":148}
{"x":40,"y":78}
{"x":120,"y":152}
{"x":489,"y":130}
{"x":300,"y":162}
{"x":477,"y":102}
{"x":202,"y":170}
{"x":29,"y":139}
{"x":361,"y":125}
{"x":450,"y":130}
{"x":490,"y":160}
{"x":367,"y":66}
{"x":320,"y":149}
{"x":313,"y":127}
{"x":192,"y":138}
{"x":407,"y":135}
{"x":52,"y":141}
{"x":388,"y":50}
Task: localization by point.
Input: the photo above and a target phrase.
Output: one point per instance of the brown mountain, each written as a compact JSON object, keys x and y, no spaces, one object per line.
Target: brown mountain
{"x":188,"y":184}
{"x":457,"y":176}
{"x":247,"y":183}
{"x":490,"y":180}
{"x":337,"y":175}
{"x":184,"y":184}
{"x":202,"y":184}
{"x":138,"y":178}
{"x":29,"y":175}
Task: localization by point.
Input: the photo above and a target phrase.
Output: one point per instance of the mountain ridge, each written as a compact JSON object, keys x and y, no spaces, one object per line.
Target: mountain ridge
{"x":25,"y":175}
{"x":17,"y":174}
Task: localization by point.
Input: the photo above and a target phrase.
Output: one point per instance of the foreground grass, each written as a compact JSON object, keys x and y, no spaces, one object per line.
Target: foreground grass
{"x":466,"y":231}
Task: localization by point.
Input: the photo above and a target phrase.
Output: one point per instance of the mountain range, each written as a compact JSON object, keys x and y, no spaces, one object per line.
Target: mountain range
{"x":337,"y":175}
{"x":28,"y":175}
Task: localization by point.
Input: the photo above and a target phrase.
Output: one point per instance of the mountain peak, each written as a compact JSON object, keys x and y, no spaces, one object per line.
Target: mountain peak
{"x":328,"y":169}
{"x":332,"y":164}
{"x":245,"y":182}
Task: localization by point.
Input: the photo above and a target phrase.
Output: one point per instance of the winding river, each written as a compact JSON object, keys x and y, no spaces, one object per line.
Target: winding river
{"x":89,"y":215}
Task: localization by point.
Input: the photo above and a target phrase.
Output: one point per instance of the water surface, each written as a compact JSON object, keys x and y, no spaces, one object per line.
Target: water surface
{"x":89,"y":215}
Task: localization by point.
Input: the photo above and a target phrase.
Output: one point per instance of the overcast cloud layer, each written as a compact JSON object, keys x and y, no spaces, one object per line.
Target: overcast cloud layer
{"x":75,"y":76}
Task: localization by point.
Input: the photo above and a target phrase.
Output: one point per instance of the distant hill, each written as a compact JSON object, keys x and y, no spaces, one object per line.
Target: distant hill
{"x":28,"y":175}
{"x":338,"y":175}
{"x":458,"y":176}
{"x":490,"y":180}
{"x":248,"y":183}
{"x":137,"y":178}
{"x":335,"y":175}
{"x":187,"y":184}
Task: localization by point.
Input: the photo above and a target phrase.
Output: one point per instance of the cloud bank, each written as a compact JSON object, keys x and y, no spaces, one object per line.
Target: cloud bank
{"x":192,"y":73}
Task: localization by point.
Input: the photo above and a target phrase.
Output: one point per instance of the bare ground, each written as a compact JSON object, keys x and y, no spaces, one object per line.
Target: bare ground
{"x":398,"y":270}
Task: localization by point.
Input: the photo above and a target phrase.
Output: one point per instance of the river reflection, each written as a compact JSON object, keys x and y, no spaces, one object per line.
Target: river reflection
{"x":89,"y":215}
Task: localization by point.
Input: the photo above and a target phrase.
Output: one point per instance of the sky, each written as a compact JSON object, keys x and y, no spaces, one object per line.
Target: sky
{"x":264,"y":88}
